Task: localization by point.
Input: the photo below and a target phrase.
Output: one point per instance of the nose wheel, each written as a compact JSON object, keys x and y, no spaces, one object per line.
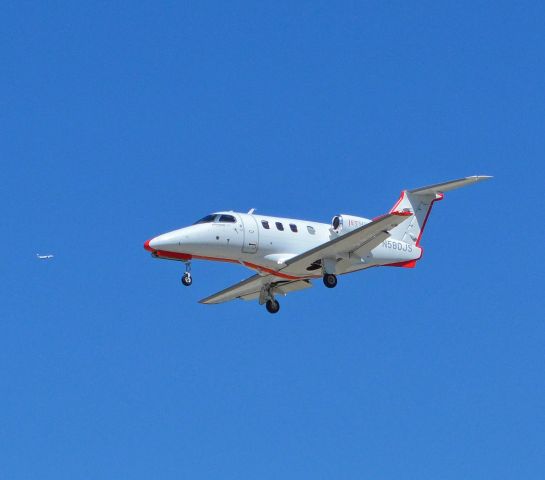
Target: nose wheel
{"x":186,"y":278}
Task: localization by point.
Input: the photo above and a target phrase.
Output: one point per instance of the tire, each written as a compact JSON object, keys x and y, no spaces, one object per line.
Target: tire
{"x":272,"y":306}
{"x":187,"y":280}
{"x":330,"y":280}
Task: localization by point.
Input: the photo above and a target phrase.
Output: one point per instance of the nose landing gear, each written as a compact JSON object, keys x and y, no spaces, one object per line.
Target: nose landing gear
{"x":186,"y":277}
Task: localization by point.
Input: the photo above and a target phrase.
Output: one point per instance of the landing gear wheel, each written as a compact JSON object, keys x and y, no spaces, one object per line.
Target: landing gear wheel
{"x":330,"y":280}
{"x":272,"y":306}
{"x":187,"y":280}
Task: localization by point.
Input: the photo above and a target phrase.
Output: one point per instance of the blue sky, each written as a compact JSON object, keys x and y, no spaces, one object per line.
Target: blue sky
{"x":122,"y":121}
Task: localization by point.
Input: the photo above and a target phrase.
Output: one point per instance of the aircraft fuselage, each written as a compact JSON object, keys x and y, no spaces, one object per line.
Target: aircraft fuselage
{"x":263,"y":242}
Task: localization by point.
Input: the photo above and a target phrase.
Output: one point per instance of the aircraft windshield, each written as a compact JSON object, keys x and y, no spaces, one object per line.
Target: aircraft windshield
{"x":207,"y":219}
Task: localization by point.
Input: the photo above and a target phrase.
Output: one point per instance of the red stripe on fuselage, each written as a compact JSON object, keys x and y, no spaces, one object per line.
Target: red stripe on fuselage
{"x":186,"y":257}
{"x":171,"y":255}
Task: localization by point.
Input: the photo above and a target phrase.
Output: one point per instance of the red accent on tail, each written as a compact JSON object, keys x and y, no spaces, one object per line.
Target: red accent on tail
{"x":408,"y":264}
{"x":393,"y":209}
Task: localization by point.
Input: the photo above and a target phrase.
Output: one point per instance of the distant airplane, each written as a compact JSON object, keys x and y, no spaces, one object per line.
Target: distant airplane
{"x":286,"y":253}
{"x":44,"y":257}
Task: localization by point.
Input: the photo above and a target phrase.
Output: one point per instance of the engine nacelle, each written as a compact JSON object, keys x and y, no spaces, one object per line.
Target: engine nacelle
{"x":342,"y":224}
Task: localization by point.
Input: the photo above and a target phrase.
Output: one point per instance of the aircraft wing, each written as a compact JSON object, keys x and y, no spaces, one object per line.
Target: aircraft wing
{"x":250,"y":289}
{"x":363,"y":239}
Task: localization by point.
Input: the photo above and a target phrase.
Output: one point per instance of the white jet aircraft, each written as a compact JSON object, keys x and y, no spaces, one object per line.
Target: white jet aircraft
{"x":44,"y":257}
{"x":287,"y":253}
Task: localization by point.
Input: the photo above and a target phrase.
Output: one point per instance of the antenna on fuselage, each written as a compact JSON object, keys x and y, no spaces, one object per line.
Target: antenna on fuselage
{"x":252,"y":210}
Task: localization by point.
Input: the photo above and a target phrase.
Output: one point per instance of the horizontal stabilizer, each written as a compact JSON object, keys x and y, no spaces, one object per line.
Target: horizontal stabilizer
{"x":419,"y":202}
{"x":447,"y":186}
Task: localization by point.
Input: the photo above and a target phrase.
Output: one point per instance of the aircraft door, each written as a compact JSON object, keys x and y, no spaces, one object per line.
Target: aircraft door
{"x":251,"y":233}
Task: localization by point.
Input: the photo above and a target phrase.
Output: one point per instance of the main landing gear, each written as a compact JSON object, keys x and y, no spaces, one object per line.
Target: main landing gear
{"x":272,"y":306}
{"x":186,"y":277}
{"x":330,"y":280}
{"x":266,"y":296}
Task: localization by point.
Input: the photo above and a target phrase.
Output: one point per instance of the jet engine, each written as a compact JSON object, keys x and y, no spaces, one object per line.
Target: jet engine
{"x":342,"y":224}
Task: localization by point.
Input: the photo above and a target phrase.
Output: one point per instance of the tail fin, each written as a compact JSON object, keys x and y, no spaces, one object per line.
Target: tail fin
{"x":419,"y":202}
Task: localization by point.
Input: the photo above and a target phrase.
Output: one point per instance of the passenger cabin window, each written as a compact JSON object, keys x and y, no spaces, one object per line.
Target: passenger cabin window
{"x":207,"y":219}
{"x":311,"y":230}
{"x":293,"y":227}
{"x":265,"y":224}
{"x":280,"y":226}
{"x":227,"y":219}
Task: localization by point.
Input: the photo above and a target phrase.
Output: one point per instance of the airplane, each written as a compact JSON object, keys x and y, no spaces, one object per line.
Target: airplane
{"x":44,"y":257}
{"x":288,"y":254}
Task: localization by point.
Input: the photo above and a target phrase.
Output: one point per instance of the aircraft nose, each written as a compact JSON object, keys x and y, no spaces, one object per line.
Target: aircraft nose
{"x":155,"y":243}
{"x":166,"y":241}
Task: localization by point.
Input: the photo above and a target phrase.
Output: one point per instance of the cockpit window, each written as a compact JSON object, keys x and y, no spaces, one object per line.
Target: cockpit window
{"x":227,"y":219}
{"x":207,"y":219}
